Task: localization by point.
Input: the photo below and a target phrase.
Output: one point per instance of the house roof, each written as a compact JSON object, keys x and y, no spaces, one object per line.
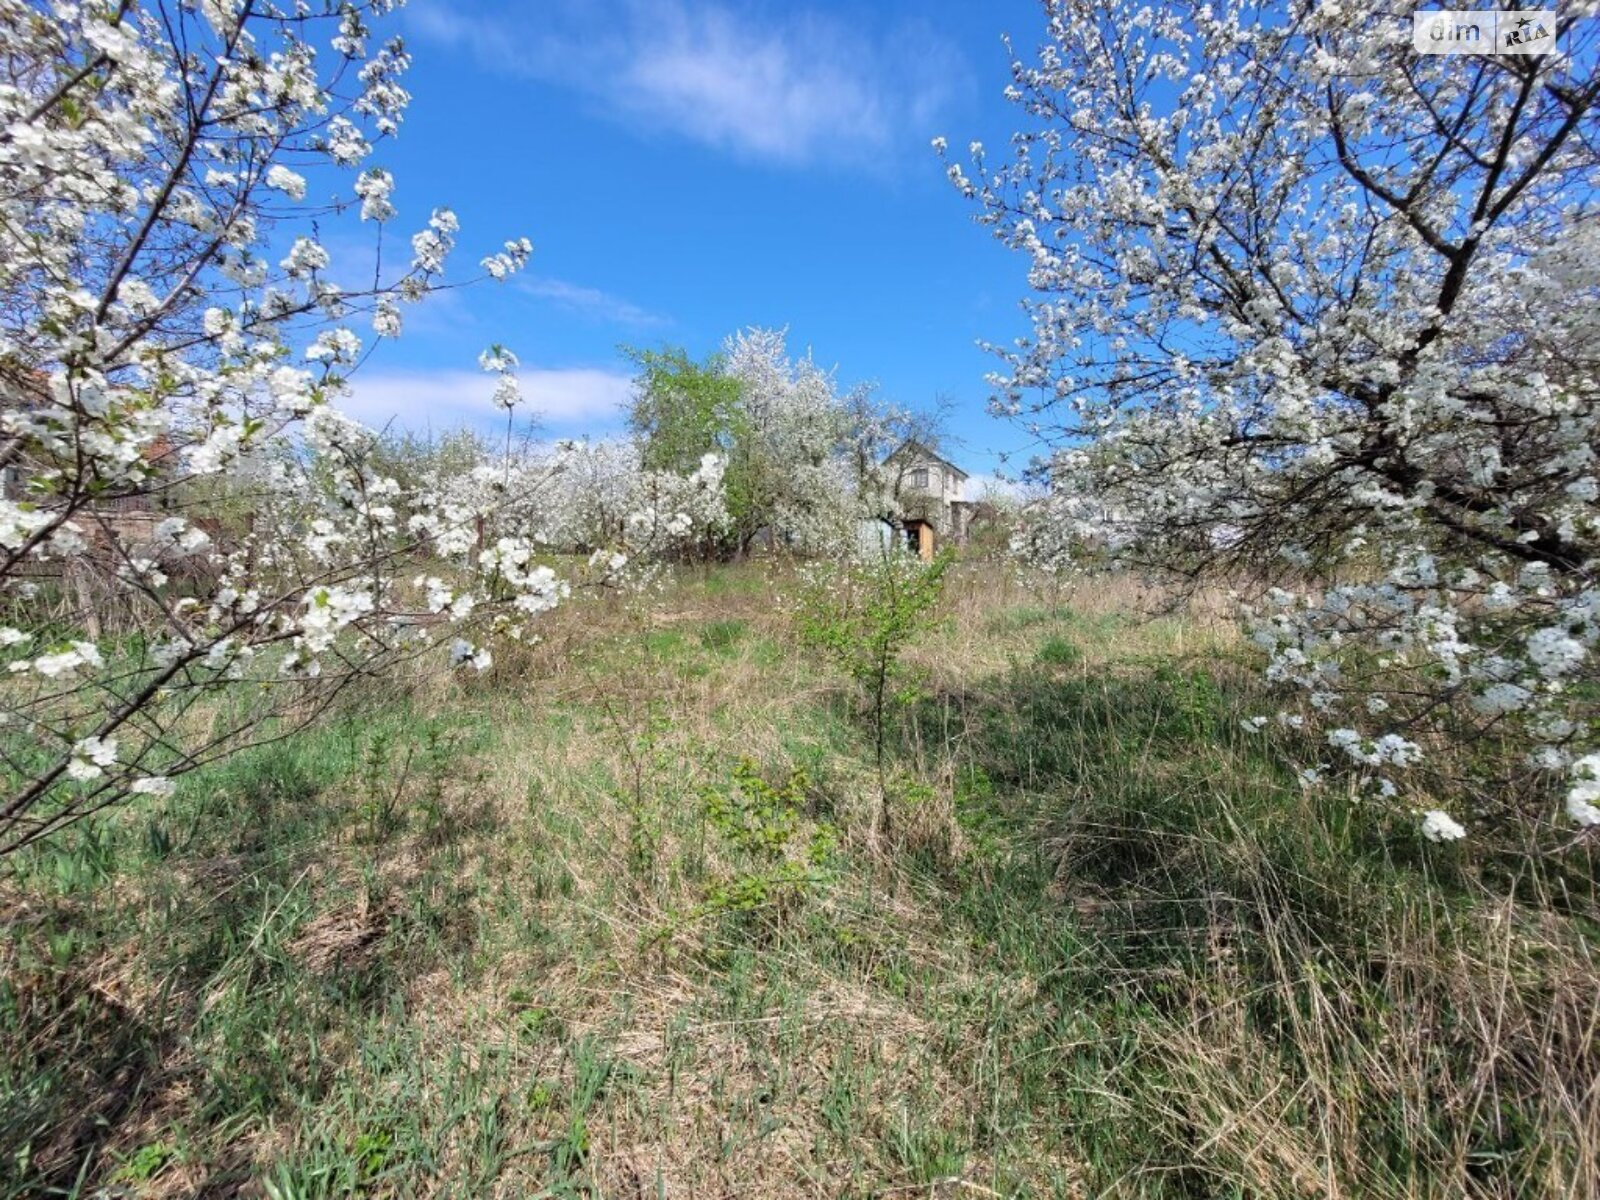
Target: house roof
{"x":921,"y":452}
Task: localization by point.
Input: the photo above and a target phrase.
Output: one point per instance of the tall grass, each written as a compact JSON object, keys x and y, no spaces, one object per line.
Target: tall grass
{"x":612,"y":922}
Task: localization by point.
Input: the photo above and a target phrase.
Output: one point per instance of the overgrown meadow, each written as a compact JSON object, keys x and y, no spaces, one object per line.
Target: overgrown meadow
{"x":639,"y":912}
{"x":383,"y":815}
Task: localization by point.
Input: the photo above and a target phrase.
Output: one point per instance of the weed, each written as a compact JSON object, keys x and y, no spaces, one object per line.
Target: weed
{"x":1059,"y":652}
{"x":752,"y":814}
{"x":380,"y":805}
{"x":145,"y":1163}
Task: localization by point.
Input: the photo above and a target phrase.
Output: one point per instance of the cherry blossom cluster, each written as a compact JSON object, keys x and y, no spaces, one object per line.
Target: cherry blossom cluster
{"x":185,"y":506}
{"x":793,"y":445}
{"x":1317,"y":317}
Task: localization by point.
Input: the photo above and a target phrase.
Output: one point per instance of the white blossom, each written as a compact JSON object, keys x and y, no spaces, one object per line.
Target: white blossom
{"x":374,"y":187}
{"x":1438,"y":826}
{"x":90,"y":757}
{"x":1224,"y":397}
{"x":1583,"y":795}
{"x":286,"y":181}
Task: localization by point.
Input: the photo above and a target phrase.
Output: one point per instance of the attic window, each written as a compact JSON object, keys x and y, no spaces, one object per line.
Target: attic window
{"x":919,"y":477}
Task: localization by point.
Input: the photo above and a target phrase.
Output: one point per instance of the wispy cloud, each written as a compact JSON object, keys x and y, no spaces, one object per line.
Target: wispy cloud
{"x":591,"y":302}
{"x":574,"y":400}
{"x":789,"y":86}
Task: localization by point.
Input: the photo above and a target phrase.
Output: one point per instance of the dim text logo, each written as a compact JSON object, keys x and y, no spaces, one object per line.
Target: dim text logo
{"x":1484,"y":31}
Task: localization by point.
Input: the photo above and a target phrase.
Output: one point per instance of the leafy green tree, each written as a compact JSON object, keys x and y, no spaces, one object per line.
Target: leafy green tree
{"x":682,"y":408}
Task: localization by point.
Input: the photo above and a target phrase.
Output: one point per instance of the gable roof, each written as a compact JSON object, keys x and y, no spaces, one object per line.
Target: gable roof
{"x":920,"y":452}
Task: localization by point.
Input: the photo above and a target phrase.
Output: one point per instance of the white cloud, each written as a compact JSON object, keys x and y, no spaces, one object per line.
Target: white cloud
{"x":790,"y":87}
{"x":591,"y":302}
{"x":572,"y":400}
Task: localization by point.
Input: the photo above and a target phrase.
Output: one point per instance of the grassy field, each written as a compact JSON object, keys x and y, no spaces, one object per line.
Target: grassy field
{"x":616,"y":920}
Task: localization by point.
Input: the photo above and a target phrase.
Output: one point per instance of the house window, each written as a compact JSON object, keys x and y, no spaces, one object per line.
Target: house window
{"x":919,"y":478}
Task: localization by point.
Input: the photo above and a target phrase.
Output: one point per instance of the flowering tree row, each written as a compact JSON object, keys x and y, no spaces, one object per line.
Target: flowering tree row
{"x":1317,"y":315}
{"x":792,"y":457}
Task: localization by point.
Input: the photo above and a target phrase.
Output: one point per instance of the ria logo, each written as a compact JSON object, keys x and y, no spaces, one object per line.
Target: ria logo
{"x":1484,"y":31}
{"x":1527,"y":35}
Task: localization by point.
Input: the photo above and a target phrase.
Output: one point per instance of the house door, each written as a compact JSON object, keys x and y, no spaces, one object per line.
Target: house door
{"x":919,"y":539}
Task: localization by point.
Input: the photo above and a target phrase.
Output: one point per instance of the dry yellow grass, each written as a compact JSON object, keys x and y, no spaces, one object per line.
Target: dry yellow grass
{"x":1110,"y":949}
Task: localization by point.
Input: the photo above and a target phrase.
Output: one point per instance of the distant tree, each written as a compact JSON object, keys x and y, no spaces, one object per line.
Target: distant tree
{"x":780,"y":423}
{"x":600,"y":497}
{"x":787,"y":471}
{"x":805,"y":462}
{"x":412,"y":459}
{"x":876,"y":429}
{"x":682,"y":409}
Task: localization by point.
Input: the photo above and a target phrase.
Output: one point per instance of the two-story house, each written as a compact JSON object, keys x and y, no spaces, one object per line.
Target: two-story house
{"x":929,"y":493}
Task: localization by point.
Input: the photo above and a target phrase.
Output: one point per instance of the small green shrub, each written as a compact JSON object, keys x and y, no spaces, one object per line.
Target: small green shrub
{"x":862,"y":616}
{"x":760,"y":821}
{"x":145,"y":1163}
{"x":752,"y":814}
{"x":1059,"y":652}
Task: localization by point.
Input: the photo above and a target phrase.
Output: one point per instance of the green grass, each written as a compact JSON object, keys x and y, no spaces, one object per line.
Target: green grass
{"x":1059,"y":652}
{"x":618,"y":926}
{"x":723,"y":636}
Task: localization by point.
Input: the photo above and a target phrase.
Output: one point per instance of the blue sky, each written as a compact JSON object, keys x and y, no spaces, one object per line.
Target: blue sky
{"x":686,"y":168}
